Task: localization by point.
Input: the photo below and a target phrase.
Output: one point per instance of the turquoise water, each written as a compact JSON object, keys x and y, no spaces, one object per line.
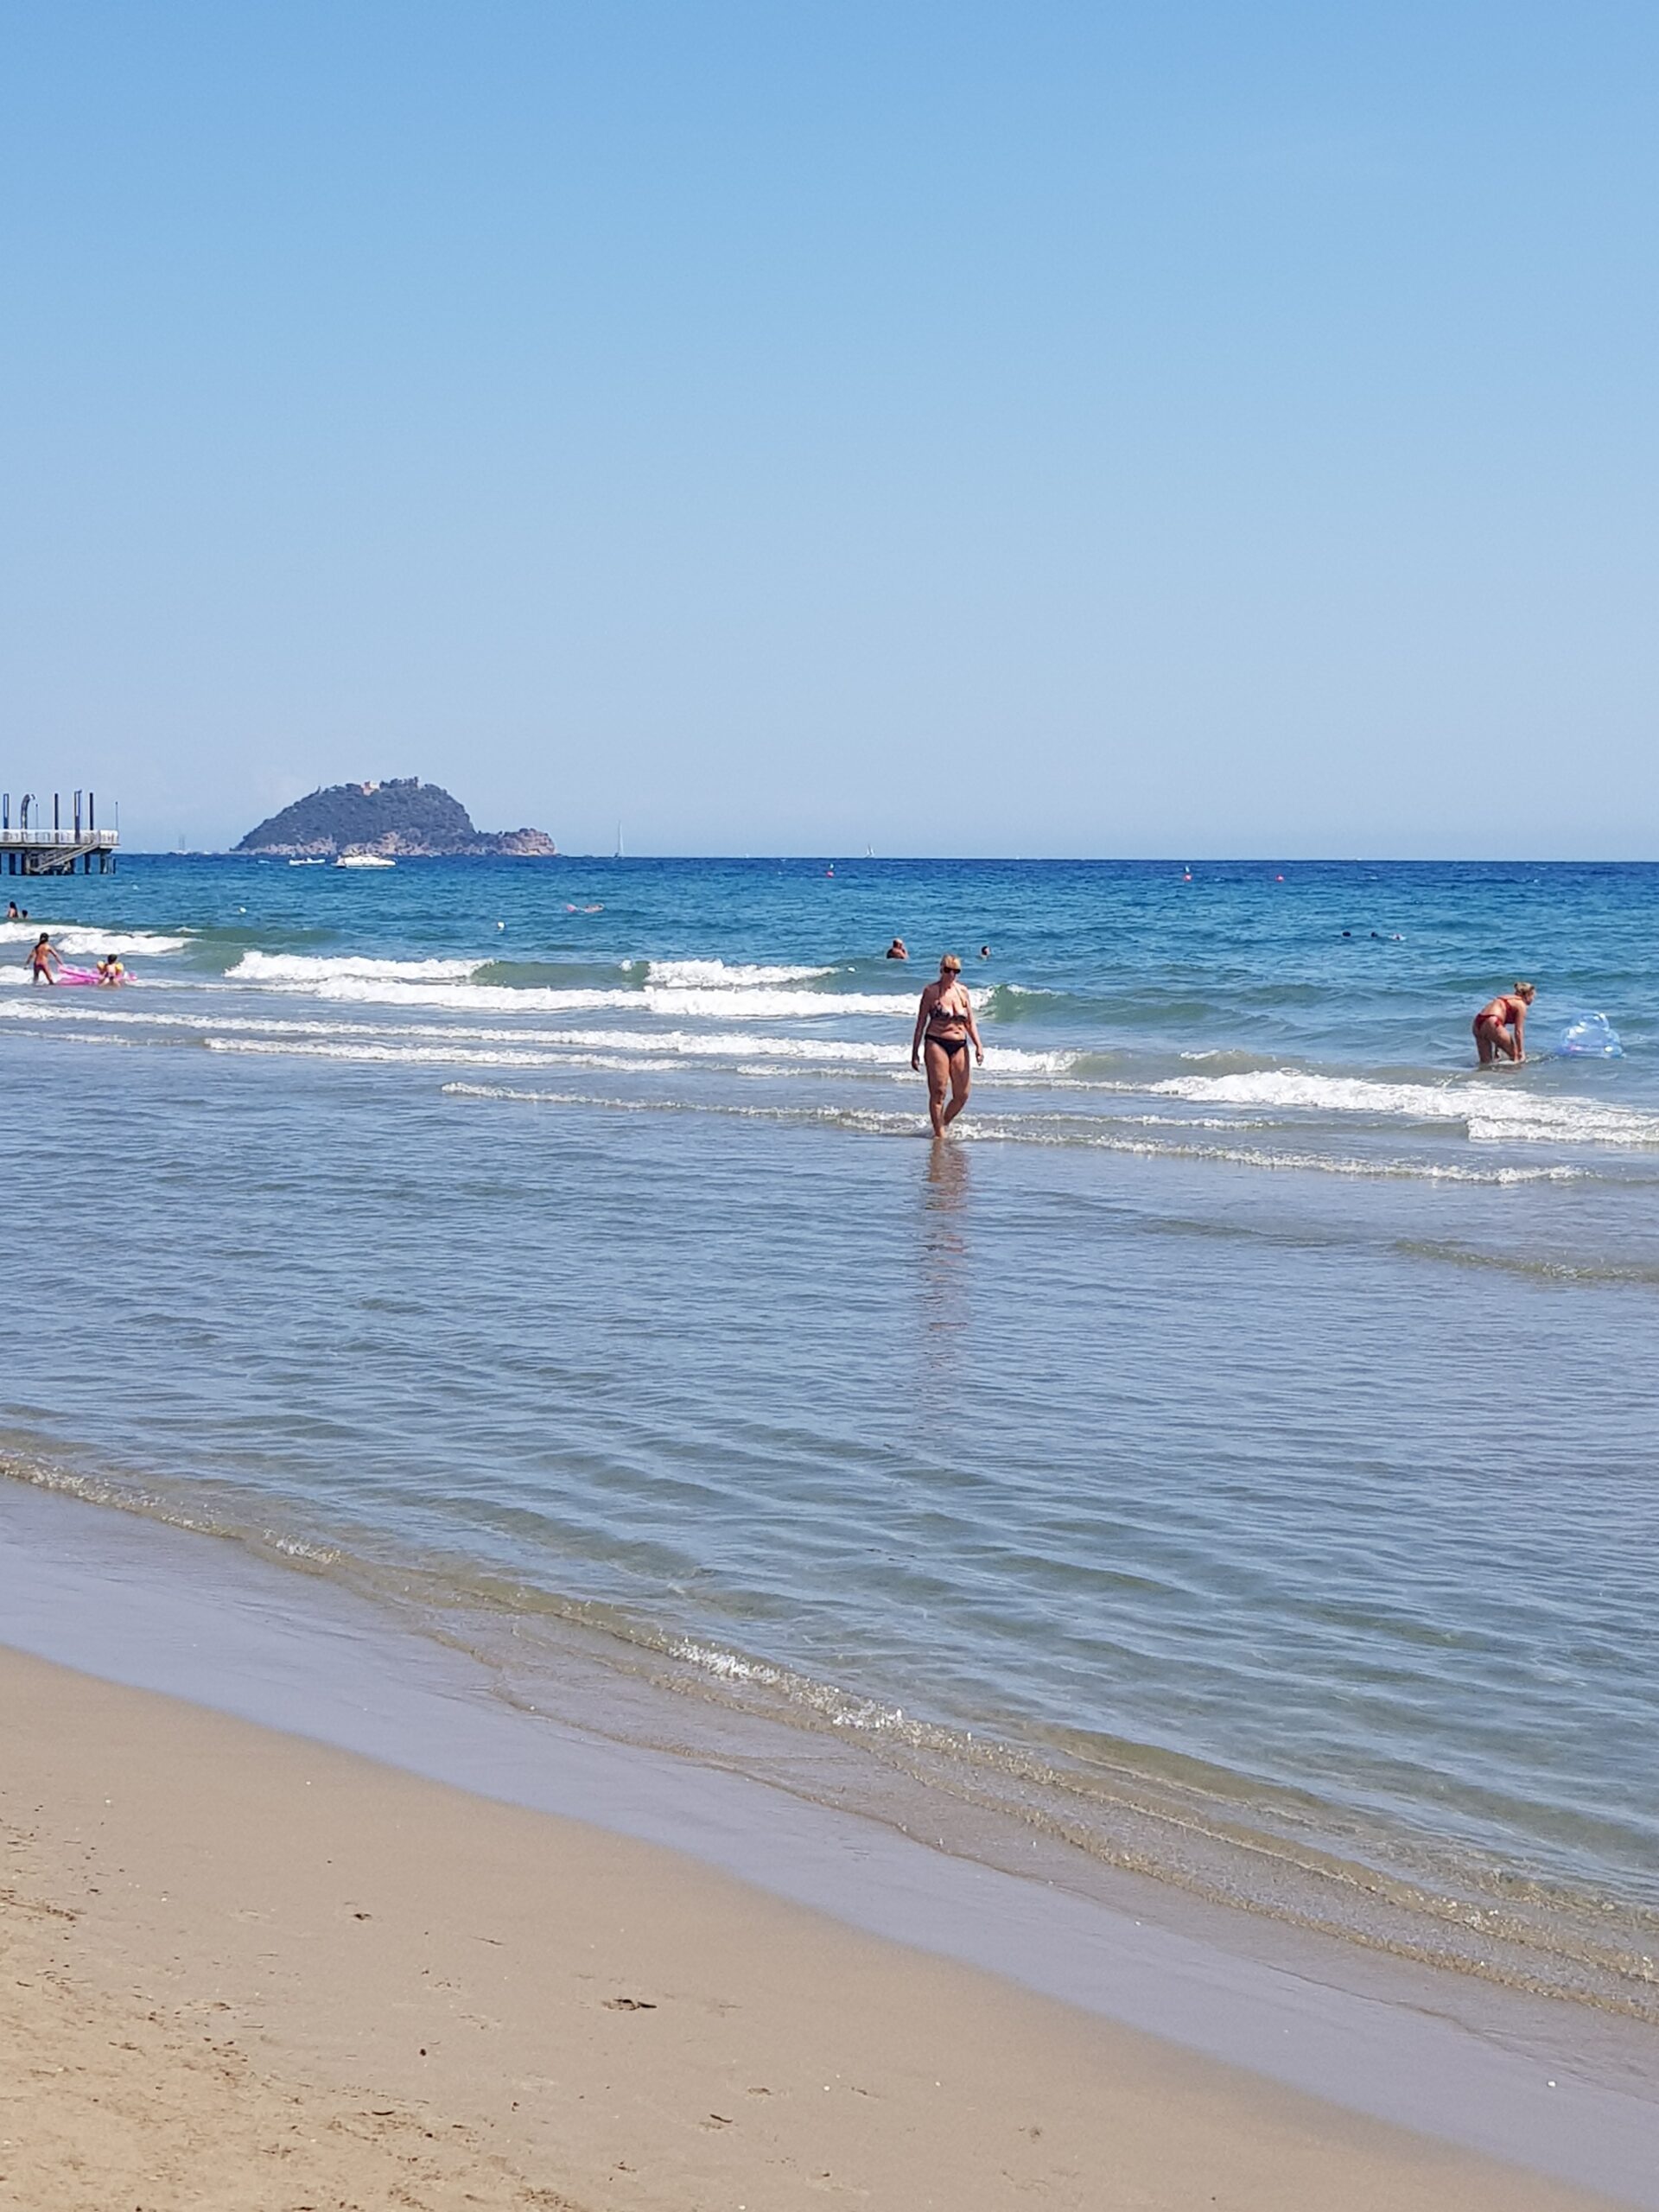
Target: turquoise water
{"x":1234,"y":1451}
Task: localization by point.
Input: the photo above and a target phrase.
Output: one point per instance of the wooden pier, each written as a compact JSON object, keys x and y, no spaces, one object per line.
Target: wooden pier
{"x":28,"y":846}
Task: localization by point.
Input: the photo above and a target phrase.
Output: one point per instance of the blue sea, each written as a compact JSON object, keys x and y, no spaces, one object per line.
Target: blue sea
{"x":1230,"y":1456}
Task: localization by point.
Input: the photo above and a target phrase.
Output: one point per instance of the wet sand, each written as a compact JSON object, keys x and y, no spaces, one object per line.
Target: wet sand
{"x":243,"y":1969}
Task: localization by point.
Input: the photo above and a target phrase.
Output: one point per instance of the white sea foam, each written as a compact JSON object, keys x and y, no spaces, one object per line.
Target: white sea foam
{"x":628,"y":1047}
{"x":869,"y":1119}
{"x":411,"y":1055}
{"x":43,"y":1005}
{"x":1317,"y":1163}
{"x":713,"y":1045}
{"x":303,"y":968}
{"x":20,"y":978}
{"x":775,"y":1005}
{"x":1023,"y":1130}
{"x":474,"y":998}
{"x":283,"y":968}
{"x":842,"y":1708}
{"x":718,"y":974}
{"x":736,"y":1003}
{"x":1475,"y":1105}
{"x":81,"y":938}
{"x":1485,"y":1111}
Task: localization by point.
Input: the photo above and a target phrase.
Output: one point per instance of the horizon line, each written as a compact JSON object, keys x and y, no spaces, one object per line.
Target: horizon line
{"x":830,"y":856}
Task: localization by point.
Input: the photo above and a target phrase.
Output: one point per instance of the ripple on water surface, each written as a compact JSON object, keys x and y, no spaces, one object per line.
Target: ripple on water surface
{"x":1234,"y":1460}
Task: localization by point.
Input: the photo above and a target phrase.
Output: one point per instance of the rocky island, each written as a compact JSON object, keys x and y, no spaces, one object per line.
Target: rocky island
{"x":403,"y":818}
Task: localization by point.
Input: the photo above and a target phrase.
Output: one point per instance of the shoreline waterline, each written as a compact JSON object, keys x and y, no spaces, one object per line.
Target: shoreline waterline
{"x":199,"y":1617}
{"x":225,"y":1950}
{"x":1100,"y":1810}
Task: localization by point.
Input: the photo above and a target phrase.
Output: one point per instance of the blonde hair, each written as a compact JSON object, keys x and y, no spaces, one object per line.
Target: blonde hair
{"x":951,"y":961}
{"x":1527,"y":991}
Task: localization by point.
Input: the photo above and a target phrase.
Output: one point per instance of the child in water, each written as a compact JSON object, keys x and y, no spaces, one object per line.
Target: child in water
{"x":1501,"y":1025}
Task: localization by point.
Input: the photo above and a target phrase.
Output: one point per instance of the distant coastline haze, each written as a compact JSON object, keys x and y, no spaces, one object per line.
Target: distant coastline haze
{"x":943,"y":430}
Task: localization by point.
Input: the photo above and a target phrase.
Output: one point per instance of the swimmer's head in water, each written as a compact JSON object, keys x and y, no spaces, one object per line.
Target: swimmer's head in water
{"x":950,"y":965}
{"x":1527,"y":991}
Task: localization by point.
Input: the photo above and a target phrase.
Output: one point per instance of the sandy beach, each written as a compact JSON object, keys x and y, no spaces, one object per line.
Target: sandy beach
{"x":241,"y":1969}
{"x":830,"y":1010}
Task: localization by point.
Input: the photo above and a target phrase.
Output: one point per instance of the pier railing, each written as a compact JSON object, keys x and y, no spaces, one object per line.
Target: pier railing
{"x":28,"y":848}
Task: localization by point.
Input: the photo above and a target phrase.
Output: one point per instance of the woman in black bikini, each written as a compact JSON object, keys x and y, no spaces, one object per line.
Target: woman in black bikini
{"x":945,"y":1028}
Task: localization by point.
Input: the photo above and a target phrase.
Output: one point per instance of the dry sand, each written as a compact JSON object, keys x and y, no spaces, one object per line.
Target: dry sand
{"x":239,"y":1970}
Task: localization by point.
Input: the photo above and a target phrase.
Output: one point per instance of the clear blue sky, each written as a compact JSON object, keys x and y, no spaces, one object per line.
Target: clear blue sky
{"x":1031,"y":428}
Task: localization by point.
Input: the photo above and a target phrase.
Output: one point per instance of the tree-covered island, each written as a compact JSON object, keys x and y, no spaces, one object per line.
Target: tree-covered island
{"x":403,"y":817}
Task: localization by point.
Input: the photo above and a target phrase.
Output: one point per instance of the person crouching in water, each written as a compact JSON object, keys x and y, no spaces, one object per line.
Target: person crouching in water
{"x":945,"y":1029}
{"x":1501,"y":1025}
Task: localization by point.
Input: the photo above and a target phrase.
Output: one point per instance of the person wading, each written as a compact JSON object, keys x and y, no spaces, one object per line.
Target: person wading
{"x":945,"y":1029}
{"x":1501,"y":1025}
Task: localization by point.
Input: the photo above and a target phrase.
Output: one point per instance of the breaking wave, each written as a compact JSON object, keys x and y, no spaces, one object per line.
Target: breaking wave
{"x":717,"y":975}
{"x":302,"y":968}
{"x":462,"y":1047}
{"x":78,"y":938}
{"x":1475,"y":1101}
{"x":730,"y":1003}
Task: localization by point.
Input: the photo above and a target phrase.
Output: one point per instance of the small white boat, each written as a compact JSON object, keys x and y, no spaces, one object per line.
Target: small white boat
{"x":364,"y":860}
{"x":316,"y":863}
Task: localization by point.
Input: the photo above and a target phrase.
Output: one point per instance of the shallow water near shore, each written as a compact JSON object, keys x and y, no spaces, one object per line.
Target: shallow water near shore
{"x":1560,"y":2089}
{"x":1231,"y":1456}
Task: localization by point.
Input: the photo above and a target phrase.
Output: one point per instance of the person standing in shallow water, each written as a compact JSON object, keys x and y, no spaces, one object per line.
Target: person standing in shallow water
{"x":945,"y":1029}
{"x":1501,"y":1025}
